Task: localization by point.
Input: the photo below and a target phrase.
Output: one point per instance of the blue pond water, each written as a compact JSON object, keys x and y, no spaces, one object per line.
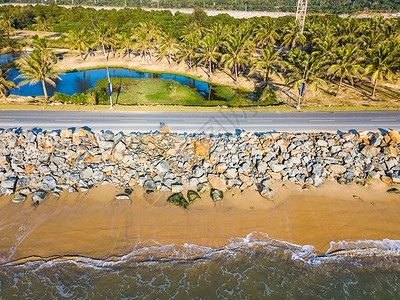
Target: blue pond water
{"x":79,"y":82}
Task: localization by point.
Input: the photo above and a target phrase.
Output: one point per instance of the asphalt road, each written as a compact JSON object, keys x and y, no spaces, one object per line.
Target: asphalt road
{"x":210,"y":122}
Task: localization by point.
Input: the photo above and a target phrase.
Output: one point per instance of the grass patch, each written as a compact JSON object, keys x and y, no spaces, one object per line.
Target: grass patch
{"x":128,"y":91}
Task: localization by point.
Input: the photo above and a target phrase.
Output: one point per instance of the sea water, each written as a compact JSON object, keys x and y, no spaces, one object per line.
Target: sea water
{"x":247,"y":268}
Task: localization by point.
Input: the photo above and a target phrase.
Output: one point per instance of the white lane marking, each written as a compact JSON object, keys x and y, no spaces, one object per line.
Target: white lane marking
{"x":68,"y":120}
{"x":256,"y":121}
{"x":7,"y":119}
{"x":321,"y":120}
{"x":132,"y":120}
{"x":196,"y":121}
{"x":384,"y":120}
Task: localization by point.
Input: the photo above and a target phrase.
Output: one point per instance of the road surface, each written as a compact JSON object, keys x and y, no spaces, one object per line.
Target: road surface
{"x":209,"y":122}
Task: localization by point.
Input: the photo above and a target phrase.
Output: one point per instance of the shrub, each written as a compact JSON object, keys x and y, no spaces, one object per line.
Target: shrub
{"x":60,"y":97}
{"x":79,"y":98}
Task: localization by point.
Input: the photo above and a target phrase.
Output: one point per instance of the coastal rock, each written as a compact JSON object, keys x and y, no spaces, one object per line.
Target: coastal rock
{"x":177,"y":188}
{"x":393,"y":191}
{"x":231,"y":173}
{"x":150,"y":185}
{"x":203,"y":187}
{"x":86,"y":173}
{"x":162,"y":167}
{"x":337,"y":169}
{"x":9,"y":183}
{"x":122,"y":197}
{"x":369,"y":151}
{"x":39,"y":196}
{"x":48,"y":183}
{"x":395,"y":136}
{"x":267,"y":193}
{"x":216,"y":195}
{"x":217,"y":182}
{"x":179,"y":200}
{"x":192,"y":196}
{"x":276,"y":167}
{"x":19,"y":198}
{"x":261,"y":167}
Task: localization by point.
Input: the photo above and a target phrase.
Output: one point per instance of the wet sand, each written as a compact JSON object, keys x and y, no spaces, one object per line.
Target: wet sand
{"x":96,"y":225}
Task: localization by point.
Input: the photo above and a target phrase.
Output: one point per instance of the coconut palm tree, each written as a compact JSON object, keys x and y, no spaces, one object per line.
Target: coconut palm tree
{"x":300,"y":64}
{"x":101,"y":33}
{"x":209,"y":51}
{"x":5,"y":85}
{"x":125,"y":43}
{"x":266,"y":34}
{"x":168,"y":47}
{"x":345,"y":64}
{"x":268,"y":62}
{"x":239,"y":47}
{"x":187,"y":51}
{"x":293,"y":36}
{"x":41,"y":24}
{"x":6,"y":24}
{"x":146,"y":39}
{"x":381,"y":62}
{"x":38,"y":67}
{"x":77,"y":40}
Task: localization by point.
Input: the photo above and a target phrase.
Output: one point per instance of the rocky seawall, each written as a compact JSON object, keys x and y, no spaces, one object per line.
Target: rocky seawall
{"x":40,"y":163}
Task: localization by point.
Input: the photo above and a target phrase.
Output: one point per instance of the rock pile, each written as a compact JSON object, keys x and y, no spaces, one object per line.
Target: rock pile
{"x":32,"y":161}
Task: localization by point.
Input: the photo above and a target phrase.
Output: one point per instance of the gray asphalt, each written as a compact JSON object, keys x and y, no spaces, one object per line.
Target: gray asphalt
{"x":209,"y":122}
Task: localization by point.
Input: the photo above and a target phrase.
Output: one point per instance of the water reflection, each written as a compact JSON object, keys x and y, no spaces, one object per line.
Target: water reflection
{"x":80,"y":81}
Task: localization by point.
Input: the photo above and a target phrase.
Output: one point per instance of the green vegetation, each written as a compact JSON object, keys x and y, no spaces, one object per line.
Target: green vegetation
{"x":127,"y":91}
{"x":341,"y":57}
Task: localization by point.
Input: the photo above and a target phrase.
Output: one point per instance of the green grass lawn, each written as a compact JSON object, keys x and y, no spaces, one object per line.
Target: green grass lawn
{"x":127,"y":91}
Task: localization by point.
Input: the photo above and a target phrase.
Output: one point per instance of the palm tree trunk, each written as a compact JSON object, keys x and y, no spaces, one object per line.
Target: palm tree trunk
{"x":375,"y":85}
{"x":236,"y":72}
{"x":44,"y":90}
{"x":209,"y":64}
{"x":266,"y":77}
{"x":340,"y":84}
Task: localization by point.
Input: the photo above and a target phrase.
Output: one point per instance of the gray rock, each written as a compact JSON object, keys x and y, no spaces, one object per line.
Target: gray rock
{"x":276,"y":167}
{"x":86,"y":173}
{"x":261,"y":167}
{"x":72,"y":189}
{"x":267,"y":193}
{"x":162,"y":167}
{"x":19,"y":198}
{"x":9,"y":183}
{"x":203,"y":187}
{"x":322,"y":143}
{"x":231,"y":173}
{"x":120,"y":147}
{"x":348,"y":176}
{"x":39,"y":196}
{"x":150,"y":185}
{"x":122,"y":197}
{"x":48,"y":183}
{"x":177,"y":188}
{"x":216,"y":195}
{"x":192,"y":196}
{"x":193,"y":181}
{"x":105,"y":145}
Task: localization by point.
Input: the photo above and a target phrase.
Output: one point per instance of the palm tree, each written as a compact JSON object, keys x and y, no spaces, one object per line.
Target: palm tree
{"x":146,"y":38}
{"x":293,"y":36}
{"x":6,"y":24}
{"x":77,"y":39}
{"x":187,"y":51}
{"x":238,"y":51}
{"x":381,"y":62}
{"x":168,"y":46}
{"x":5,"y":85}
{"x":266,"y":33}
{"x":209,"y":53}
{"x":38,"y":67}
{"x":268,"y":62}
{"x":125,"y":43}
{"x":345,"y":64}
{"x":41,"y":24}
{"x":296,"y":63}
{"x":101,"y":33}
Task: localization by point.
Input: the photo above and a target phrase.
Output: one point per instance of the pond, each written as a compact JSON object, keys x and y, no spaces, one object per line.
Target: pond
{"x":80,"y":81}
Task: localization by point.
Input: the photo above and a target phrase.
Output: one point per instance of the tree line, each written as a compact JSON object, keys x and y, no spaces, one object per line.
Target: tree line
{"x":315,"y":6}
{"x":330,"y":52}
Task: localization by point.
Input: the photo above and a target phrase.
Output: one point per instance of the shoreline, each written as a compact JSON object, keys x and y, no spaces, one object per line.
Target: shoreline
{"x":94,"y":224}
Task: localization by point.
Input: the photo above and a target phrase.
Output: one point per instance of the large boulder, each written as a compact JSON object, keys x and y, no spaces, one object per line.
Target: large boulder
{"x":150,"y":185}
{"x":162,"y":167}
{"x":266,"y":193}
{"x":217,"y":182}
{"x":337,"y":169}
{"x":179,"y":200}
{"x":48,"y":183}
{"x":395,"y":136}
{"x":192,"y":196}
{"x":203,"y":187}
{"x":39,"y":196}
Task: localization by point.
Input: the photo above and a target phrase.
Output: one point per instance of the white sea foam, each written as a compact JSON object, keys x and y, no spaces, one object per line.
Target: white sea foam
{"x":255,"y":242}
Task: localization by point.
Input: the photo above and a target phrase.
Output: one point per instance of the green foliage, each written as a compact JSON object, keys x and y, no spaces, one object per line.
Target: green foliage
{"x":179,"y":200}
{"x":60,"y":97}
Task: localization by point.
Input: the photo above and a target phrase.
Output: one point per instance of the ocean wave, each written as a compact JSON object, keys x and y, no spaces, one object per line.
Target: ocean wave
{"x":254,"y":243}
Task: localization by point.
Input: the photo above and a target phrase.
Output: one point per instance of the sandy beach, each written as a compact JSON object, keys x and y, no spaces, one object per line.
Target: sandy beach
{"x":95,"y":224}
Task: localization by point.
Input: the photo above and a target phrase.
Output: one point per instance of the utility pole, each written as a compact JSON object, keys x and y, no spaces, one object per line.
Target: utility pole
{"x":301,"y":14}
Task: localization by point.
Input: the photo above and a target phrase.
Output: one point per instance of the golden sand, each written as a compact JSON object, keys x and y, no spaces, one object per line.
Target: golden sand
{"x":97,"y":225}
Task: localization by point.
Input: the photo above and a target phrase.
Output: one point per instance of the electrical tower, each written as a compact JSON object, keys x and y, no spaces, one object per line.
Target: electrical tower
{"x":301,"y":13}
